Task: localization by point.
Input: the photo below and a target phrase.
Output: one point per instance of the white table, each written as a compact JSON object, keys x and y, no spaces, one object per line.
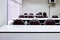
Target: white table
{"x":29,"y":28}
{"x":11,"y":21}
{"x":36,"y":18}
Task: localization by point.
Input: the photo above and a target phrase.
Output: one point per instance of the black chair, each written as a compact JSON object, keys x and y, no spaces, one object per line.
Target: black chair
{"x":40,"y":13}
{"x":45,"y":15}
{"x":18,"y":22}
{"x":54,"y":16}
{"x":25,"y":13}
{"x":31,"y":14}
{"x":34,"y":22}
{"x":49,"y":22}
{"x":39,"y":16}
{"x":21,"y":16}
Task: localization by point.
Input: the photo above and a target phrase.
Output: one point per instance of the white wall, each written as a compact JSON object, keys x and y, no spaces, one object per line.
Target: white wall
{"x":35,"y":6}
{"x":3,"y":12}
{"x":56,"y":10}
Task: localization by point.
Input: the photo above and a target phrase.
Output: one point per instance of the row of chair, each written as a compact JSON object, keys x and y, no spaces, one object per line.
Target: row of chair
{"x":34,"y":22}
{"x":31,"y":15}
{"x":22,"y":16}
{"x":38,"y":15}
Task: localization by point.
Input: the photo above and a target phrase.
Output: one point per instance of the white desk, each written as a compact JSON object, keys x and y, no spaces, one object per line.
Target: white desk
{"x":29,"y":28}
{"x":11,"y":21}
{"x":36,"y":18}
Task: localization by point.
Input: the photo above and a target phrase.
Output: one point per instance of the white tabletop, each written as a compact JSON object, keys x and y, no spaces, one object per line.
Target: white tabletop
{"x":36,"y":18}
{"x":29,"y":28}
{"x":11,"y":21}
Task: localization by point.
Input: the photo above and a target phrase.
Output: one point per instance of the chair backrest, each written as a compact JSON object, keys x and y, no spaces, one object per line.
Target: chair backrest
{"x":54,"y":16}
{"x":21,"y":16}
{"x":39,"y":16}
{"x":25,"y":13}
{"x":18,"y":22}
{"x":45,"y":15}
{"x":31,"y":14}
{"x":49,"y":22}
{"x":34,"y":22}
{"x":40,"y":13}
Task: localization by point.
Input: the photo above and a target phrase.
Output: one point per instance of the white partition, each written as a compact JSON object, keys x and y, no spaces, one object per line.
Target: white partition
{"x":3,"y":12}
{"x":29,"y":36}
{"x":14,"y":8}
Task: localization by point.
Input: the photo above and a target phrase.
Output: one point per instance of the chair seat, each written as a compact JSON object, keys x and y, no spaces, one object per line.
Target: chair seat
{"x":18,"y":22}
{"x":49,"y":22}
{"x":34,"y":22}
